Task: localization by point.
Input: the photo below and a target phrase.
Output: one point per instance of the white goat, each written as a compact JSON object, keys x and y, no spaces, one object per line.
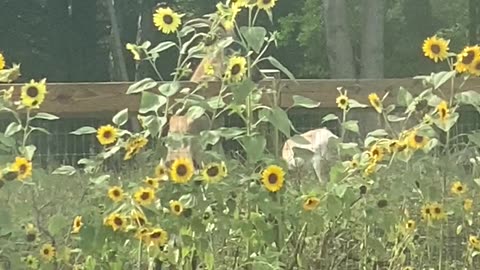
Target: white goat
{"x":317,"y":143}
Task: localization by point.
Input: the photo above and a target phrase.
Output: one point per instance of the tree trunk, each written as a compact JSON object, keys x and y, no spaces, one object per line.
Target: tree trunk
{"x":339,"y":46}
{"x":373,"y":16}
{"x":119,"y":70}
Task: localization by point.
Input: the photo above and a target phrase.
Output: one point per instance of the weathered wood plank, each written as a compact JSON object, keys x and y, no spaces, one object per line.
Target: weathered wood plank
{"x":80,"y":99}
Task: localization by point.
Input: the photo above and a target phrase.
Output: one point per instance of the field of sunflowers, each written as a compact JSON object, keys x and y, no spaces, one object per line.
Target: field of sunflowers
{"x":403,"y":197}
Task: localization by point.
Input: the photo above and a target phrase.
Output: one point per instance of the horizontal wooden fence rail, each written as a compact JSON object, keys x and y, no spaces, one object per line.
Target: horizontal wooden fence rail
{"x":95,"y":99}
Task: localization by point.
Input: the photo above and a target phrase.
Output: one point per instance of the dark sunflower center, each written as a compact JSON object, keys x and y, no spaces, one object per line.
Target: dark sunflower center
{"x":443,"y":112}
{"x":375,"y":153}
{"x":118,"y":221}
{"x":427,"y":211}
{"x":459,"y":188}
{"x":150,"y":182}
{"x":32,"y":92}
{"x":418,"y":138}
{"x":477,"y":66}
{"x":177,"y":208}
{"x":438,"y":210}
{"x":22,"y":168}
{"x":343,"y":101}
{"x":266,"y":2}
{"x":141,"y":221}
{"x":409,"y":224}
{"x":156,"y":235}
{"x":161,"y":171}
{"x":168,"y":19}
{"x":116,"y":193}
{"x":235,"y":69}
{"x":31,"y":237}
{"x":310,"y":202}
{"x":467,"y":60}
{"x":212,"y":171}
{"x":77,"y":223}
{"x":145,"y":196}
{"x":435,"y":49}
{"x":182,"y":170}
{"x":46,"y":251}
{"x":272,"y":178}
{"x":107,"y":134}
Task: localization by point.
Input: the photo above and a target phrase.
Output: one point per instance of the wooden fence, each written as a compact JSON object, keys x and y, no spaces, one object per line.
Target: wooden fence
{"x":94,"y":99}
{"x":93,"y":104}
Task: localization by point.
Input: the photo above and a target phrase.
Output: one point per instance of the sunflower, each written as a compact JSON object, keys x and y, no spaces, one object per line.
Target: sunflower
{"x":2,"y":61}
{"x":467,"y":205}
{"x":134,"y":145}
{"x":47,"y":252}
{"x":31,"y":262}
{"x":107,"y":134}
{"x":214,"y":172}
{"x":266,"y":4}
{"x":208,"y":69}
{"x":176,"y":208}
{"x":135,"y":50}
{"x":116,"y":221}
{"x":152,"y":182}
{"x":33,"y":93}
{"x":77,"y":224}
{"x":458,"y":188}
{"x":426,"y":212}
{"x":396,"y":146}
{"x":376,"y":102}
{"x":157,"y":237}
{"x":138,"y":218}
{"x":236,"y":68}
{"x":376,"y":153}
{"x":144,"y":196}
{"x":442,"y":110}
{"x":410,"y":225}
{"x":466,"y":57}
{"x":416,"y":141}
{"x":342,"y":102}
{"x":436,"y":48}
{"x":166,"y":20}
{"x":353,"y":164}
{"x":437,"y":211}
{"x":22,"y":167}
{"x":475,"y":67}
{"x":115,"y":193}
{"x":161,"y":172}
{"x":310,"y":203}
{"x":30,"y":232}
{"x":228,"y":15}
{"x":181,"y":170}
{"x":142,"y":234}
{"x":239,"y":3}
{"x":473,"y":242}
{"x":273,"y":178}
{"x":370,"y":169}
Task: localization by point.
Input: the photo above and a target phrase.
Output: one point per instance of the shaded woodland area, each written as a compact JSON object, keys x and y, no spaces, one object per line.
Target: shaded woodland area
{"x":84,"y":40}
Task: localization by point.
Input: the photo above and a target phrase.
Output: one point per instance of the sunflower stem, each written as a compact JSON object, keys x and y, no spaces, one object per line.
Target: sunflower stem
{"x":139,"y":258}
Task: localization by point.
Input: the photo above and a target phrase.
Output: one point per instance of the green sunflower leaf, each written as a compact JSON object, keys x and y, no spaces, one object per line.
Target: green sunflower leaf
{"x":151,"y":102}
{"x":281,"y":67}
{"x":121,"y":117}
{"x":304,"y":102}
{"x":255,"y":36}
{"x":84,"y":131}
{"x":12,"y":128}
{"x":65,"y":169}
{"x":45,"y":116}
{"x":141,"y":86}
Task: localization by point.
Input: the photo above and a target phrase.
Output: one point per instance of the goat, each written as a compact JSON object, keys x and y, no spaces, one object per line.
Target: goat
{"x":318,"y":140}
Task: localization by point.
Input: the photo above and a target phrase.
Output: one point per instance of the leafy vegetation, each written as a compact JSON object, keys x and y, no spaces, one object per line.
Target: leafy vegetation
{"x":390,"y":202}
